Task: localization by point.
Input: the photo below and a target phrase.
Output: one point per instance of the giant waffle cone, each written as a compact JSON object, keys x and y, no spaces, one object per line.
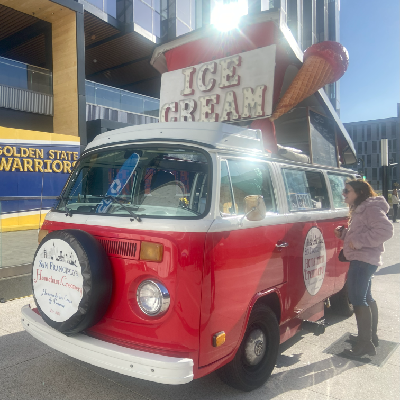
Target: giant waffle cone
{"x":315,"y":73}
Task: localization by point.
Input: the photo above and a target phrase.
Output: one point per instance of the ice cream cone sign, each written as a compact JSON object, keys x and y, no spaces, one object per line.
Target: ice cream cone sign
{"x":324,"y":63}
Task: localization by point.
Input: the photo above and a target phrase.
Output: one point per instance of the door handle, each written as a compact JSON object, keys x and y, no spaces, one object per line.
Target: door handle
{"x":281,"y":245}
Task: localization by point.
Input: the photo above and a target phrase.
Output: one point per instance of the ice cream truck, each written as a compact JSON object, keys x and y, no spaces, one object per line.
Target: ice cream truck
{"x":203,"y":242}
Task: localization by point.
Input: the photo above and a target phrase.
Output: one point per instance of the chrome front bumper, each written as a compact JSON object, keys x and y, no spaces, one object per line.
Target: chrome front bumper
{"x":134,"y":363}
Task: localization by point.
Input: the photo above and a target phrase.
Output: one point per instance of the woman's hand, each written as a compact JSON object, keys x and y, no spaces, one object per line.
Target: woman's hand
{"x":351,"y":245}
{"x":338,"y":231}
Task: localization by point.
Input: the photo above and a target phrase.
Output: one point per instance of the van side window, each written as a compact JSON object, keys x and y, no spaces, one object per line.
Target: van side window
{"x":338,"y":182}
{"x":305,"y":190}
{"x":248,"y":178}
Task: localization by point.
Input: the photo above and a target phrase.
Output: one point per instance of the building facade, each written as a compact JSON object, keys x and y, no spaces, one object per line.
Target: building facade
{"x":366,"y":136}
{"x":104,"y":71}
{"x":71,"y":69}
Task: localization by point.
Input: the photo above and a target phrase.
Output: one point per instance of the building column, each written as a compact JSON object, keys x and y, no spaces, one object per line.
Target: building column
{"x":68,"y":60}
{"x":65,"y":73}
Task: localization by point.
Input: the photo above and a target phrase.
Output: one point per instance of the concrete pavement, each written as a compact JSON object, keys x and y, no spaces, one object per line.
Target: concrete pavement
{"x":18,"y":247}
{"x":30,"y":370}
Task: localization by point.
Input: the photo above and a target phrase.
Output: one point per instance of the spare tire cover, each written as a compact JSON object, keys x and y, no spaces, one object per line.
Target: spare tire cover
{"x":71,"y":280}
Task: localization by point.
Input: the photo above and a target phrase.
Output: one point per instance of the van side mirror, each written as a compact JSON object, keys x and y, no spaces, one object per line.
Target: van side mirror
{"x":255,"y":209}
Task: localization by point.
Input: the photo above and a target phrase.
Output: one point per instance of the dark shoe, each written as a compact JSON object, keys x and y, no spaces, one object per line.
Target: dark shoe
{"x":354,"y":339}
{"x":364,"y":344}
{"x":361,"y":349}
{"x":374,"y":324}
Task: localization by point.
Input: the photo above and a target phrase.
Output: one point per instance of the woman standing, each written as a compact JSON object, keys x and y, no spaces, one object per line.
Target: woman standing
{"x":395,"y":203}
{"x":367,"y":230}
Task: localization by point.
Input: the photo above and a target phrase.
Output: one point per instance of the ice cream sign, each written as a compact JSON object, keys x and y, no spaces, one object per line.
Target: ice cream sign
{"x":233,"y":88}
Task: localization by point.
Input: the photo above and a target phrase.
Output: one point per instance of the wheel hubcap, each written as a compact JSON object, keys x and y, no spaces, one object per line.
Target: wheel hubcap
{"x":255,"y":347}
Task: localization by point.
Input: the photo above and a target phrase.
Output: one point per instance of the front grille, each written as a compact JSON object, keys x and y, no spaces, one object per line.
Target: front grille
{"x":121,"y":248}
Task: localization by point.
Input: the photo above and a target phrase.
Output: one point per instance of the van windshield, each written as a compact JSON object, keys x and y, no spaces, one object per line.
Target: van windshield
{"x":141,"y":181}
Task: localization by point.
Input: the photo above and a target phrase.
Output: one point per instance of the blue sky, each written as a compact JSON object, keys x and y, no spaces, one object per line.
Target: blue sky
{"x":370,"y":89}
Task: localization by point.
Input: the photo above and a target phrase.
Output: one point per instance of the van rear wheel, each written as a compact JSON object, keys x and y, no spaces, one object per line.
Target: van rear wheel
{"x":257,"y":354}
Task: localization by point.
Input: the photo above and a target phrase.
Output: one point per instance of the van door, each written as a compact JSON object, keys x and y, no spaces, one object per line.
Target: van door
{"x":310,"y":255}
{"x":241,"y":257}
{"x":337,"y":183}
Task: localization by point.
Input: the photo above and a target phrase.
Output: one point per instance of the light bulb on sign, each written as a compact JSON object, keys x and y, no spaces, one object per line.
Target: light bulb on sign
{"x":226,"y":14}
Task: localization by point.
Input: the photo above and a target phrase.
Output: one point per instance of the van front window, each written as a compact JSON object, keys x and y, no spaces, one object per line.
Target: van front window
{"x":140,"y":181}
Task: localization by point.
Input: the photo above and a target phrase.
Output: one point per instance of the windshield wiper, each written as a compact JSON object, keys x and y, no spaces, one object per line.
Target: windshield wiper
{"x":115,"y":200}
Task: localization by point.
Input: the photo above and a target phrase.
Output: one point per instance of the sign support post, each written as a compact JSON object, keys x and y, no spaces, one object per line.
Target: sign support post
{"x":385,"y":166}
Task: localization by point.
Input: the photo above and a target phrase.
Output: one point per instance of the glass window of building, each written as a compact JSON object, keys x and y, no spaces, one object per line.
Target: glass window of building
{"x":146,"y":13}
{"x":374,"y":146}
{"x":368,"y":132}
{"x":185,"y":16}
{"x":13,"y":73}
{"x":394,"y":129}
{"x":383,"y":131}
{"x":24,"y":76}
{"x":377,"y":131}
{"x":108,"y":6}
{"x":359,"y":147}
{"x":97,"y":3}
{"x":365,"y":147}
{"x":269,"y":4}
{"x":368,"y":160}
{"x":355,"y":134}
{"x":394,"y":144}
{"x":119,"y":99}
{"x":363,"y":134}
{"x":374,"y":173}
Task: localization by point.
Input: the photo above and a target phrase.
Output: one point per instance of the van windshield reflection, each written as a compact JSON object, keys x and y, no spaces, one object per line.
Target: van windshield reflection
{"x":139,"y":182}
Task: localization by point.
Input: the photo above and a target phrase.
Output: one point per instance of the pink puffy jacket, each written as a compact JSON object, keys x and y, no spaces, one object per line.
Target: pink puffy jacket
{"x":368,"y":230}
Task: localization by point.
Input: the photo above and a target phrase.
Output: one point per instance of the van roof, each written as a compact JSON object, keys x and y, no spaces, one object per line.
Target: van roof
{"x":207,"y":134}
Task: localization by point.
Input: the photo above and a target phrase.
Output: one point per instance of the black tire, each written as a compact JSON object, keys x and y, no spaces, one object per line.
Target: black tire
{"x":340,"y":303}
{"x":238,"y":373}
{"x":88,"y":259}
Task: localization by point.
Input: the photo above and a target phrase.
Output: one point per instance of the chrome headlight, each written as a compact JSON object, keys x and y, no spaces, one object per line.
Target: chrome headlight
{"x":153,"y":298}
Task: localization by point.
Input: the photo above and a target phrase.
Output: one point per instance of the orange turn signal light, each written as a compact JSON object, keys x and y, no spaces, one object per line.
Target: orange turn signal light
{"x":150,"y":251}
{"x":219,"y":339}
{"x":42,"y":234}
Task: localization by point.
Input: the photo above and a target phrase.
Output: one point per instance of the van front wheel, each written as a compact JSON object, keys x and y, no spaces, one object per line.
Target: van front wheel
{"x":257,"y":354}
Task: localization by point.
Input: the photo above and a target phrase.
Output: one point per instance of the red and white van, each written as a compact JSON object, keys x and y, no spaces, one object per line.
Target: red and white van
{"x":177,"y":249}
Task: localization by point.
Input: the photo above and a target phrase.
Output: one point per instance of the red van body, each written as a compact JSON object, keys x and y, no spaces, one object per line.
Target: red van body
{"x":218,"y":266}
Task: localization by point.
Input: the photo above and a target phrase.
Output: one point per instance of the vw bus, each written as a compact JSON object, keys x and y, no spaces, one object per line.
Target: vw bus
{"x":178,"y":249}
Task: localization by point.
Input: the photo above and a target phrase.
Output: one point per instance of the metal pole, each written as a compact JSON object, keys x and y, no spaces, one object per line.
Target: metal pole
{"x":385,"y":166}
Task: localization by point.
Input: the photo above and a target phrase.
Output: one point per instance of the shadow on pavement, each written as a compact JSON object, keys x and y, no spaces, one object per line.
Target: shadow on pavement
{"x":331,"y":318}
{"x":390,"y":270}
{"x":309,"y":375}
{"x":51,"y":372}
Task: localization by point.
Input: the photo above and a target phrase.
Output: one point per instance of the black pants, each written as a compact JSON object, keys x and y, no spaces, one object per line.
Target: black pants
{"x":395,"y":207}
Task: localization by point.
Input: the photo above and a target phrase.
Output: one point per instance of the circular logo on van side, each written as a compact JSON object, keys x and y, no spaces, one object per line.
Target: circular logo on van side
{"x":314,"y":260}
{"x":57,"y":280}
